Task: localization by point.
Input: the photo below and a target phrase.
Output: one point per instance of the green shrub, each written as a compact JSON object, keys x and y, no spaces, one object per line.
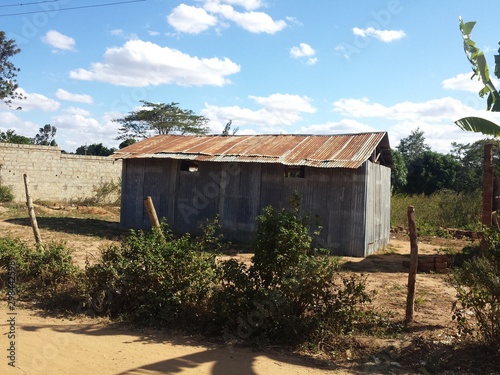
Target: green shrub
{"x":288,"y":295}
{"x":155,"y":279}
{"x":46,"y":274}
{"x":6,"y":194}
{"x":477,"y":281}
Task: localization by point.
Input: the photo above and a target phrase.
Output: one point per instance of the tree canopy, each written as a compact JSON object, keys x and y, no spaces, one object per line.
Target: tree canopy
{"x":413,"y":146}
{"x":8,"y":71}
{"x":96,"y":149}
{"x":10,"y":136}
{"x":160,"y":118}
{"x":45,"y":136}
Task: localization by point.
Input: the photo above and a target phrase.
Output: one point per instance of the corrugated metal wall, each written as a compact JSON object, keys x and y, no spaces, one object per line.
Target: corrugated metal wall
{"x":352,"y":206}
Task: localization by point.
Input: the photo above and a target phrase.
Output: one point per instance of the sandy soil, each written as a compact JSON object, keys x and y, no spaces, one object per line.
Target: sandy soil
{"x":55,"y":345}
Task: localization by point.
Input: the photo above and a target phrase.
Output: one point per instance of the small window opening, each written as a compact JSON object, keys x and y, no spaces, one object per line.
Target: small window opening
{"x":189,"y":166}
{"x":295,"y":171}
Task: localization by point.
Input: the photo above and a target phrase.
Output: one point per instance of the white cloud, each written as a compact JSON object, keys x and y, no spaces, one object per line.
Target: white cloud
{"x":463,"y":82}
{"x":59,"y":41}
{"x":344,"y":126}
{"x":140,"y":63}
{"x":383,"y":35}
{"x":432,"y":110}
{"x":190,"y":19}
{"x":194,"y":20}
{"x":34,"y":101}
{"x":278,"y":110}
{"x":80,"y":98}
{"x":304,"y":50}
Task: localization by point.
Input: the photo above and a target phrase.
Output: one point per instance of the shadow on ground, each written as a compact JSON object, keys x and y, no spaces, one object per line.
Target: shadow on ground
{"x":80,"y":226}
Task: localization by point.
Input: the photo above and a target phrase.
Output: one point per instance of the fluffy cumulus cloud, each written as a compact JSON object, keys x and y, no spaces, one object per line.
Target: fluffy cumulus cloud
{"x":138,"y":63}
{"x":196,"y":19}
{"x":79,"y":98}
{"x":276,"y":113}
{"x":59,"y":41}
{"x":344,"y":126}
{"x":191,"y":20}
{"x":465,"y":82}
{"x":304,"y":50}
{"x":34,"y":101}
{"x":383,"y":35}
{"x":76,"y":127}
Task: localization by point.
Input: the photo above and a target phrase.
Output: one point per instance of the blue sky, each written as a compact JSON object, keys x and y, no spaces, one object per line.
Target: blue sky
{"x":270,"y":66}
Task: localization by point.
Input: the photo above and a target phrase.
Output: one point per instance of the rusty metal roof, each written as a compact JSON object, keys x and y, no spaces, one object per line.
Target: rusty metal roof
{"x":326,"y":151}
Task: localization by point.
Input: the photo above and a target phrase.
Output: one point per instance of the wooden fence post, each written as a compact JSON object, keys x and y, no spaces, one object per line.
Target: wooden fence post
{"x":150,"y":208}
{"x":31,"y":212}
{"x":412,"y":275}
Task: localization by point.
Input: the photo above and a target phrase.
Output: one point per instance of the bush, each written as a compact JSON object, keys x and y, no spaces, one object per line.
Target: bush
{"x":154,"y":279}
{"x":46,"y":274}
{"x":6,"y":194}
{"x":477,"y":309}
{"x":289,"y":295}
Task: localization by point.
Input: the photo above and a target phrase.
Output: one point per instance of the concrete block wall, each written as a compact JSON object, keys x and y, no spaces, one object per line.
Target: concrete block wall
{"x":54,"y":176}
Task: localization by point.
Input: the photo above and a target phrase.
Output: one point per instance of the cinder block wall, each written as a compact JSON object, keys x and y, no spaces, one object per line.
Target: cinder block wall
{"x":54,"y":176}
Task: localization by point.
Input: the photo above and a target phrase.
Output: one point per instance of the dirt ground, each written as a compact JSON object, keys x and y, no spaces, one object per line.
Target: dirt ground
{"x":47,"y":344}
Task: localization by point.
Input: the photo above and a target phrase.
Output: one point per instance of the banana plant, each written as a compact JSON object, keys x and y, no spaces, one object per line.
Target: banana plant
{"x":480,"y":67}
{"x":479,"y":125}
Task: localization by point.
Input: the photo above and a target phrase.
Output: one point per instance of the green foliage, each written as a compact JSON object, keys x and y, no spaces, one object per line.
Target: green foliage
{"x":6,"y":194}
{"x":289,"y":295}
{"x":431,"y":172}
{"x":127,"y":142}
{"x":9,"y":136}
{"x":160,"y":118}
{"x":470,"y":156}
{"x":480,"y":67}
{"x":45,"y":136}
{"x":96,"y":149}
{"x":399,"y":173}
{"x":46,"y":273}
{"x":154,"y":279}
{"x":413,"y":146}
{"x":8,"y":71}
{"x":443,"y":209}
{"x":477,"y":282}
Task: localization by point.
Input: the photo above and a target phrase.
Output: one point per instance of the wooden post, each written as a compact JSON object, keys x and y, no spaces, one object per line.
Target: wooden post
{"x":412,"y":275}
{"x":150,"y":208}
{"x":487,"y":184}
{"x":31,"y":211}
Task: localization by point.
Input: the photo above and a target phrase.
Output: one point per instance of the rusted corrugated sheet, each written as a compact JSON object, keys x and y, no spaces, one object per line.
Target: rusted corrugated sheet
{"x":325,"y":151}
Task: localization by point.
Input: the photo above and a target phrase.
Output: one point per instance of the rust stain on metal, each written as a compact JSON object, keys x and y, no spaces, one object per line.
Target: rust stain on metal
{"x":326,"y":151}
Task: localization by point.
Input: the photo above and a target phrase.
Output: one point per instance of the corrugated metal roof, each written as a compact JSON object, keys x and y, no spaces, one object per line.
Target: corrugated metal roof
{"x":325,"y":151}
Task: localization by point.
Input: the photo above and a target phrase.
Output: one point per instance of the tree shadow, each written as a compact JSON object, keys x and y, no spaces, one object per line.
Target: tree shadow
{"x":80,"y":226}
{"x":222,"y":358}
{"x":378,"y":263}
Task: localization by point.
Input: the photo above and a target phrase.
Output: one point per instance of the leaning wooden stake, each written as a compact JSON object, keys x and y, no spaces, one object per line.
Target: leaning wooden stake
{"x":412,"y":275}
{"x":150,"y":208}
{"x":31,"y":211}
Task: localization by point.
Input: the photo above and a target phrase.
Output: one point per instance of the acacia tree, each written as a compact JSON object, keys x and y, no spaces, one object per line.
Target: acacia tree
{"x":8,"y":71}
{"x":160,"y":118}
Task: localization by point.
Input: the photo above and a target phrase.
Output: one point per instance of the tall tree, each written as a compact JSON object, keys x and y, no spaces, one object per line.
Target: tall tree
{"x":8,"y":71}
{"x":431,"y":172}
{"x":10,"y":136}
{"x":399,"y":173}
{"x":413,"y":146}
{"x":160,"y":118}
{"x":46,"y":135}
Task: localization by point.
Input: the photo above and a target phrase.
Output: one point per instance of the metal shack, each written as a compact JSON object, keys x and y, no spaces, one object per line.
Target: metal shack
{"x":343,"y":180}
